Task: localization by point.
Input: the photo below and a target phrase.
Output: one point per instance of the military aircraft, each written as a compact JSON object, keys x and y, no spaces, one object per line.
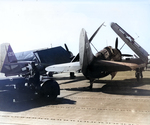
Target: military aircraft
{"x":107,"y":61}
{"x":23,"y":64}
{"x":16,"y":63}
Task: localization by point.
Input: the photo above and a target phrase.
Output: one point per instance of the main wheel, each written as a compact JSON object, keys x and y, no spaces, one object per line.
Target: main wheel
{"x":72,"y":76}
{"x":50,"y":89}
{"x":137,"y":76}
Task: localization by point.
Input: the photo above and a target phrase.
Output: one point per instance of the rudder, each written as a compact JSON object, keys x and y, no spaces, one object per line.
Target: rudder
{"x":6,"y":55}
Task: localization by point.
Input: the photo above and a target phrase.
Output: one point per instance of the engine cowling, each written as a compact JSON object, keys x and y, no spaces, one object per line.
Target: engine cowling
{"x":109,"y":53}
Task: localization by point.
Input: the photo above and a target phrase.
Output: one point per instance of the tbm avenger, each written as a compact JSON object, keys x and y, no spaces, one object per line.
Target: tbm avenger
{"x":30,"y":65}
{"x":107,"y":61}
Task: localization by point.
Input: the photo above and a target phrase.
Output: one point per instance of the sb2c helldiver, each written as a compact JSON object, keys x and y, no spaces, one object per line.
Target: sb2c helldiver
{"x":26,"y":63}
{"x":107,"y":61}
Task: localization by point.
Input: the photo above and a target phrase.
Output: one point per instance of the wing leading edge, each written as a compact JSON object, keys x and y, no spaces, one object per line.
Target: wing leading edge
{"x":113,"y":66}
{"x":66,"y":67}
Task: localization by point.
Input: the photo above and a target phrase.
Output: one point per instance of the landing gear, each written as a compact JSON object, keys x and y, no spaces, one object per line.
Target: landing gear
{"x":50,"y":74}
{"x":91,"y":84}
{"x":138,"y":73}
{"x":72,"y":76}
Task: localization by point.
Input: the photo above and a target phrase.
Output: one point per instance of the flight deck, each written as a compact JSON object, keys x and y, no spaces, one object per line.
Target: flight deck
{"x":121,"y":101}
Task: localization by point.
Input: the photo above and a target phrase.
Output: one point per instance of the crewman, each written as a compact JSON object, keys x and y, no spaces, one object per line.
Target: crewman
{"x":35,"y":75}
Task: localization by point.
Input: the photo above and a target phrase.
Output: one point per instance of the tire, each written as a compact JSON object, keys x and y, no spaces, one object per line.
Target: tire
{"x":50,"y":89}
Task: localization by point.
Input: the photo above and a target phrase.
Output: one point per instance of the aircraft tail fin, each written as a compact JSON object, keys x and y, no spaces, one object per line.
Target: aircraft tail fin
{"x":85,"y":53}
{"x":6,"y":55}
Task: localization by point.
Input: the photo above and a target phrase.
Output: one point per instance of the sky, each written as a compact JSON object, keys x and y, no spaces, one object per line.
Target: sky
{"x":36,"y":24}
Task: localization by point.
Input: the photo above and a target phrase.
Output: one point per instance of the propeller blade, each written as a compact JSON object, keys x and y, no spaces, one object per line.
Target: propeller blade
{"x":116,"y":43}
{"x":66,"y":47}
{"x":95,"y":32}
{"x":128,"y":55}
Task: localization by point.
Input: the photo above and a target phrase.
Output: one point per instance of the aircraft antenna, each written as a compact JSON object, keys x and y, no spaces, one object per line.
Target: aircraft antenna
{"x":122,"y":46}
{"x":90,"y":40}
{"x":137,"y":36}
{"x":94,"y":47}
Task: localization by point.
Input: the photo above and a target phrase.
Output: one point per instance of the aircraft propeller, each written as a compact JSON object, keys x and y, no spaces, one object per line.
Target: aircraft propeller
{"x":116,"y":47}
{"x":116,"y":43}
{"x":66,"y":47}
{"x":71,"y":54}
